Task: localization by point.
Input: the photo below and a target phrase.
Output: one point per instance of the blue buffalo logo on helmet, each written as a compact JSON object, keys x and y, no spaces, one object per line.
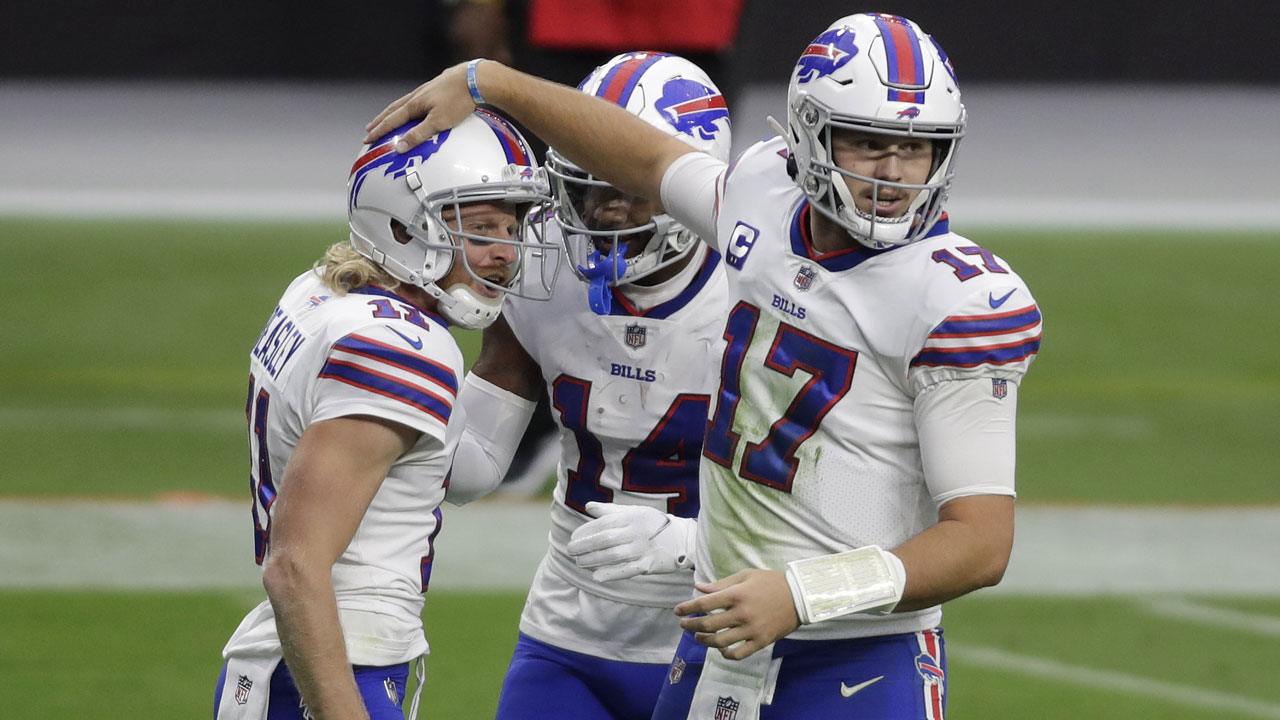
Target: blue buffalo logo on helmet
{"x":692,"y":108}
{"x":829,"y":52}
{"x":382,"y":153}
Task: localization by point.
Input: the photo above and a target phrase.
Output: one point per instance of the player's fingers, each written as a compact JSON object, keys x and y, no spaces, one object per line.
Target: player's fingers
{"x":607,"y":556}
{"x":417,"y":134}
{"x":745,"y":649}
{"x":722,"y":639}
{"x":618,"y":572}
{"x":595,"y":536}
{"x":600,"y":510}
{"x":393,"y":115}
{"x":711,"y":622}
{"x":390,"y":108}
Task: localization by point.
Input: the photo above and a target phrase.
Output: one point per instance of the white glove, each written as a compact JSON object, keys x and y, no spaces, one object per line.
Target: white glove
{"x":628,"y":540}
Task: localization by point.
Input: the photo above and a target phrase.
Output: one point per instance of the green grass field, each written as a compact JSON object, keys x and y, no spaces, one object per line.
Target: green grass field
{"x":124,"y":376}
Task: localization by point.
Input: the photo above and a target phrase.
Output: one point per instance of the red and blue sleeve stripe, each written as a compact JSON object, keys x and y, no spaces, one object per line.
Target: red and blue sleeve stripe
{"x":388,"y":386}
{"x":387,"y":371}
{"x":994,"y":324}
{"x":416,"y":364}
{"x":997,"y":339}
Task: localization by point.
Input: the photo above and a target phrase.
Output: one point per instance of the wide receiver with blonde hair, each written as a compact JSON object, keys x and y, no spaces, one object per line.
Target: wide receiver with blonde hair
{"x":353,"y":420}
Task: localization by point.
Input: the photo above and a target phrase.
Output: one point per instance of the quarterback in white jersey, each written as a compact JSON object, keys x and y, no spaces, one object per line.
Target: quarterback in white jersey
{"x":859,"y":456}
{"x":625,"y":352}
{"x":353,"y":421}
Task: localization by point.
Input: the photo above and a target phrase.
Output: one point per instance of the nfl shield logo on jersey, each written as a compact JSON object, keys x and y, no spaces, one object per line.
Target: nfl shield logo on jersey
{"x":999,"y":388}
{"x":243,"y":686}
{"x":805,"y":277}
{"x":677,"y":671}
{"x":636,"y":335}
{"x":726,"y":708}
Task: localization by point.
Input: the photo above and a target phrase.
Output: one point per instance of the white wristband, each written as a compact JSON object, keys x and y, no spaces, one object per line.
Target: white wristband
{"x":472,"y":87}
{"x":865,"y":580}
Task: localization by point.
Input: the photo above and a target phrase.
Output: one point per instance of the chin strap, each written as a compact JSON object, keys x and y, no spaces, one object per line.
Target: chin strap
{"x":602,"y":272}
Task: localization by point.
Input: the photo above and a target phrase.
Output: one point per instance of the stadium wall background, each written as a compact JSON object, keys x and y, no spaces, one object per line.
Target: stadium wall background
{"x":1120,"y":41}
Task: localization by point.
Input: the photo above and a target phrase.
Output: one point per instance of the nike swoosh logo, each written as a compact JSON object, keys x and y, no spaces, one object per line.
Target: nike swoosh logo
{"x":847,"y":691}
{"x":997,"y":303}
{"x":415,"y":343}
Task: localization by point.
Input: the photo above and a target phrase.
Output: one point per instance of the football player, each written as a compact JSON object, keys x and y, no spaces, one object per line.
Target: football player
{"x":353,"y":420}
{"x":859,"y":459}
{"x":623,"y":354}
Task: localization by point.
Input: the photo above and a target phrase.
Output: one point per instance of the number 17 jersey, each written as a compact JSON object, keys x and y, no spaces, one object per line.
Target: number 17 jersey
{"x":812,"y":445}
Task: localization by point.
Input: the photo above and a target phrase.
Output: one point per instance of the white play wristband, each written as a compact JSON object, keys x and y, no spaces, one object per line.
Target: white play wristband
{"x":865,"y":580}
{"x":472,"y":87}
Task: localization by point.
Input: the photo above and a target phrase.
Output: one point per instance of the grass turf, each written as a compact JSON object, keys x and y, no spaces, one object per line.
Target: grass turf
{"x":153,"y":655}
{"x":126,"y":346}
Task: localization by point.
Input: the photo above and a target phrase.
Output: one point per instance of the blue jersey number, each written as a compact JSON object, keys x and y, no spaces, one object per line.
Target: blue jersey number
{"x":665,"y":462}
{"x":830,"y":368}
{"x":261,"y":486}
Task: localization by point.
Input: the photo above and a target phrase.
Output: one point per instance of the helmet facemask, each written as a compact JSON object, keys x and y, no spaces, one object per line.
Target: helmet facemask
{"x":822,"y":179}
{"x":609,"y":254}
{"x":461,"y":303}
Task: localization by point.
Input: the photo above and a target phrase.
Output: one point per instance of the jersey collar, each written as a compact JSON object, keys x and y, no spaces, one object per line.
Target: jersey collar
{"x":661,"y":311}
{"x":837,"y":260}
{"x":383,"y":292}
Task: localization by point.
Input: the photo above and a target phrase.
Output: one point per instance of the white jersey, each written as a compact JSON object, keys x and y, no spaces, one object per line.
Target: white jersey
{"x":812,"y":446}
{"x":323,"y":356}
{"x":629,"y":392}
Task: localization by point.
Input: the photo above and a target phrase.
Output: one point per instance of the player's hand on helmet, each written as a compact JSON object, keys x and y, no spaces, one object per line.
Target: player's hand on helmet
{"x":628,"y":540}
{"x":442,"y":102}
{"x":741,"y":613}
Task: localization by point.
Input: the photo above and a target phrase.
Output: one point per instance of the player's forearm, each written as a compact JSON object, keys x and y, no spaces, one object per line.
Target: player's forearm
{"x":496,"y":421}
{"x":966,"y":550}
{"x":311,"y":640}
{"x":596,"y":135}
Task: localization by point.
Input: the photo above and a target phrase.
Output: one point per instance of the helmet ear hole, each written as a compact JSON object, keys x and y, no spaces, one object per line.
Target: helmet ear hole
{"x":400,"y":233}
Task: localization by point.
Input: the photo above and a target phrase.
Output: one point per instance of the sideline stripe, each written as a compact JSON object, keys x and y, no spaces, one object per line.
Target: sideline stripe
{"x":103,"y":543}
{"x":1115,"y":681}
{"x":1182,"y":609}
{"x":330,"y":205}
{"x":97,"y":417}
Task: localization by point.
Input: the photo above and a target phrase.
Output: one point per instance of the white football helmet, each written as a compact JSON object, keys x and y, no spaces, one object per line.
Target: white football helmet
{"x":671,"y":94}
{"x":878,"y":73}
{"x":483,"y":159}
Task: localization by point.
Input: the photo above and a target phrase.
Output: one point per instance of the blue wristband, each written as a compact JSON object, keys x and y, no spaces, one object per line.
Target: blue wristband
{"x":471,"y":82}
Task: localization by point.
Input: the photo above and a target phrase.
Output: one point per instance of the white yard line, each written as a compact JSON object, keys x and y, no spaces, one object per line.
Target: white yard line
{"x":89,"y":417}
{"x":91,"y":543}
{"x":1061,"y":550}
{"x":1110,"y":680}
{"x":1201,"y":614}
